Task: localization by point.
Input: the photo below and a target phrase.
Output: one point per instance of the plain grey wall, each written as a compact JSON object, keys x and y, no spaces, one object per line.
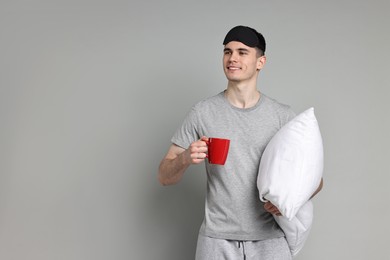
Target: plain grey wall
{"x":92,"y":91}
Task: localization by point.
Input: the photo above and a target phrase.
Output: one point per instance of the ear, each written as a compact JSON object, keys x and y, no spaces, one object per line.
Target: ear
{"x":261,"y":62}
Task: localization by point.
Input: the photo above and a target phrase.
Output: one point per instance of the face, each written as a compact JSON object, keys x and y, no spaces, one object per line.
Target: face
{"x":240,"y":62}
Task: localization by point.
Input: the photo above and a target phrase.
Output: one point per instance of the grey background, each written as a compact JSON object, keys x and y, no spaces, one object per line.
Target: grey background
{"x":92,"y":91}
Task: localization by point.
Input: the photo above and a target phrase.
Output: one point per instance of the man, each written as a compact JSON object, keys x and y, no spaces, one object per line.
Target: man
{"x":237,"y":225}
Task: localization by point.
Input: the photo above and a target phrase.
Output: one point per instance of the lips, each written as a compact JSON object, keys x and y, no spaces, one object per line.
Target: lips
{"x":233,"y":68}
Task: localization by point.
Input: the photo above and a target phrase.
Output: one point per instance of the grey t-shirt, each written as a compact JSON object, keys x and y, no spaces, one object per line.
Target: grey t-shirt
{"x":232,"y":208}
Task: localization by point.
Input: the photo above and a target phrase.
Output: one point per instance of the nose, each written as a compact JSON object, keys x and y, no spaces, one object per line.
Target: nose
{"x":233,"y":57}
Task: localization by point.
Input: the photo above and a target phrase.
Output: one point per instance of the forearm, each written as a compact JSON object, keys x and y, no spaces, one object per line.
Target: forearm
{"x":178,"y":159}
{"x":172,"y":170}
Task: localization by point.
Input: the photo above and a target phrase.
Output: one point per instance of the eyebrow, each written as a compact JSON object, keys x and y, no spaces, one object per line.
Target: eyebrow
{"x":239,"y":49}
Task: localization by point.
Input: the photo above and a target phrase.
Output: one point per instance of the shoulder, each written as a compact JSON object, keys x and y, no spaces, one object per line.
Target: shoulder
{"x":209,"y":102}
{"x":282,"y":111}
{"x":275,"y":104}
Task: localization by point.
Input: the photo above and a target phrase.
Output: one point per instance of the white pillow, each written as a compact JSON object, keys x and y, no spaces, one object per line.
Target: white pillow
{"x":298,"y":229}
{"x":292,"y":164}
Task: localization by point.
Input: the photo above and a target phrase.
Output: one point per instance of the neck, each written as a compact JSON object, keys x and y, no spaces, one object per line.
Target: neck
{"x":242,"y":96}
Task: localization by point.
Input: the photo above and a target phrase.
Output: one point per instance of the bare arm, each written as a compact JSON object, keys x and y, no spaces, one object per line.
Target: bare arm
{"x":178,"y":159}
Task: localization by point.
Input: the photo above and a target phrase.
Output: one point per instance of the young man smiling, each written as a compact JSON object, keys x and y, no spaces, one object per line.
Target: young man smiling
{"x":241,"y":66}
{"x":237,"y":225}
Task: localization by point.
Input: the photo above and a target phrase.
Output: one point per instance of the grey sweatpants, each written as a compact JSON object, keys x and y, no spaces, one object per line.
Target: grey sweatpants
{"x":220,"y":249}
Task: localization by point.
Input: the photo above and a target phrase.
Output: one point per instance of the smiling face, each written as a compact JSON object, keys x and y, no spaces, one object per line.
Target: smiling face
{"x":241,"y":63}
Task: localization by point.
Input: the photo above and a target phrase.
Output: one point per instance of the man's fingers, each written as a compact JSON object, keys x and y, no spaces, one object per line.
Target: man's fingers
{"x":198,"y":155}
{"x":204,"y":138}
{"x":198,"y":147}
{"x":268,"y":206}
{"x":198,"y":150}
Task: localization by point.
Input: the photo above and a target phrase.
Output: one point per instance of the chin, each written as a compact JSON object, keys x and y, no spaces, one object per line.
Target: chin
{"x":233,"y":79}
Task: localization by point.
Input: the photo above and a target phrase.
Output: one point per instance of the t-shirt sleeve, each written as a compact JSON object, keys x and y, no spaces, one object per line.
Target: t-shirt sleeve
{"x":187,"y":132}
{"x":289,"y":115}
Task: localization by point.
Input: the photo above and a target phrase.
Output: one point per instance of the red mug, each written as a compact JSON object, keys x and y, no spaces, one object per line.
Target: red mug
{"x":218,"y":149}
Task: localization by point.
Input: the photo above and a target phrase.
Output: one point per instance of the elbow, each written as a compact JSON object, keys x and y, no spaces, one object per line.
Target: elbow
{"x":321,"y":185}
{"x":167,"y":175}
{"x":160,"y":178}
{"x":163,"y":179}
{"x":318,"y":189}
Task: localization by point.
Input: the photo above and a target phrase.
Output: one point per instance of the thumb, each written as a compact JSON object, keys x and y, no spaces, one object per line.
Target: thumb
{"x":204,"y":138}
